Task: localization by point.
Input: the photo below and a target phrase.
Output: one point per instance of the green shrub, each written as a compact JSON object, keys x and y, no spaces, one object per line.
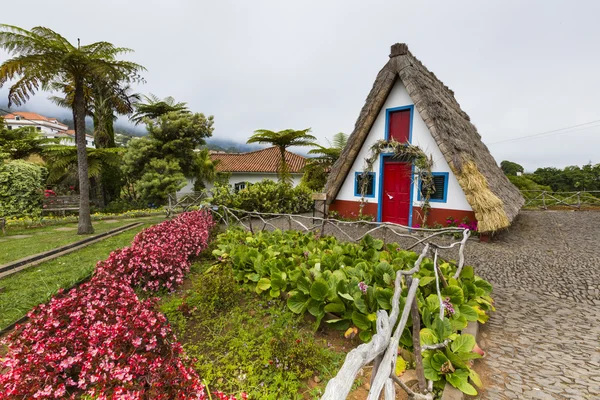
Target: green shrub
{"x":524,"y":183}
{"x":21,"y":188}
{"x":265,"y":196}
{"x":119,"y":206}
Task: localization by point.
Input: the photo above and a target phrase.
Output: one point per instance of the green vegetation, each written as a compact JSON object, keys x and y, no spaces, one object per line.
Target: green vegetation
{"x":569,"y":179}
{"x":44,"y":59}
{"x":154,"y":107}
{"x":21,"y":187}
{"x":158,"y":164}
{"x":21,"y":143}
{"x":283,"y":140}
{"x":48,"y":220}
{"x":265,"y":196}
{"x":48,"y":238}
{"x":243,"y":342}
{"x":28,"y":288}
{"x":317,"y":168}
{"x":343,"y":285}
{"x":511,"y":168}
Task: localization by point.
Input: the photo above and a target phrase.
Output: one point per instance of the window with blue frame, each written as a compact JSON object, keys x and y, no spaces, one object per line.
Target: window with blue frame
{"x":439,"y":194}
{"x":359,"y":178}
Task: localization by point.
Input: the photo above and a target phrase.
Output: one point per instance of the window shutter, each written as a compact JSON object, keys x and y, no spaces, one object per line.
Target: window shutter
{"x":439,"y":182}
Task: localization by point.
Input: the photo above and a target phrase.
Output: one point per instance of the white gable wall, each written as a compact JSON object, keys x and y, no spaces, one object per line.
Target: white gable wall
{"x":398,"y":97}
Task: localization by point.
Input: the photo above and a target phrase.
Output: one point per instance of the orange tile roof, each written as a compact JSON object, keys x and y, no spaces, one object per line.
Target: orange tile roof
{"x":266,"y":160}
{"x":30,"y":115}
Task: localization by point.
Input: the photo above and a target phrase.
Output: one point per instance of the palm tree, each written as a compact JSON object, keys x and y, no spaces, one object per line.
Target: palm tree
{"x":317,"y":168}
{"x":339,"y":141}
{"x":154,"y":107}
{"x":283,"y":140}
{"x":205,"y":169}
{"x":104,"y":101}
{"x":42,"y":57}
{"x":327,"y":156}
{"x":62,"y":162}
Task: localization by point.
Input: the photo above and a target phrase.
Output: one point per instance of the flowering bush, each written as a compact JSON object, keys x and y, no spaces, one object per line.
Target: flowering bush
{"x":159,"y":256}
{"x":465,"y":224}
{"x":100,"y":340}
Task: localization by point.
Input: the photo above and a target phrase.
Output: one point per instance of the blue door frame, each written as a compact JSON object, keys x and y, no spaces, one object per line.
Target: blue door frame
{"x":388,"y":111}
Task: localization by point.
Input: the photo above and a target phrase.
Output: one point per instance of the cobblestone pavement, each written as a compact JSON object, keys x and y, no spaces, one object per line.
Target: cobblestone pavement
{"x":544,"y":340}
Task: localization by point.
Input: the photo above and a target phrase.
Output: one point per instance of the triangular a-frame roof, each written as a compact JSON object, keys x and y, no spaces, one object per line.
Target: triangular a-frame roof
{"x":495,"y":201}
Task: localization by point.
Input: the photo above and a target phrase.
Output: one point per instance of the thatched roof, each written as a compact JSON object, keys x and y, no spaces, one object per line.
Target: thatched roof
{"x":495,"y":201}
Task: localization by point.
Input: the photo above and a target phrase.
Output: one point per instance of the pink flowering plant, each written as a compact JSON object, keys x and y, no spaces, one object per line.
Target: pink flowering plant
{"x":159,"y":256}
{"x":100,"y":340}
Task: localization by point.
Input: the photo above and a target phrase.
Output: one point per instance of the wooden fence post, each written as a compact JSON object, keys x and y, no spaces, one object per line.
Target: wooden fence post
{"x":579,"y":200}
{"x":416,"y":334}
{"x":544,"y":200}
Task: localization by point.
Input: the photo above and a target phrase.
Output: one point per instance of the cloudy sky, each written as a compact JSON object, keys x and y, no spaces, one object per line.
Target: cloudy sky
{"x":518,"y":68}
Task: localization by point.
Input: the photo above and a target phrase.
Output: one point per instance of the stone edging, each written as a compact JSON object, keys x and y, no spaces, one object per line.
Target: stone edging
{"x":450,"y":392}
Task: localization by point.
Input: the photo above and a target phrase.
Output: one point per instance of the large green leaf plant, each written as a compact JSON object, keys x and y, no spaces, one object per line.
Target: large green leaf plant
{"x":343,"y":285}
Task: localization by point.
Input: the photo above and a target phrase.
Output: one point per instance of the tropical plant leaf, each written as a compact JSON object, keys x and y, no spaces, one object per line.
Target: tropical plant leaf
{"x":298,"y":302}
{"x":455,"y":294}
{"x":361,"y":321}
{"x":464,"y":342}
{"x":468,"y":312}
{"x":319,"y":289}
{"x":335,"y":308}
{"x":459,"y":379}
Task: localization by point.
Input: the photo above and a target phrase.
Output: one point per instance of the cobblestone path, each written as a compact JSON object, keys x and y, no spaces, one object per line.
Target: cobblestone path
{"x":544,"y":340}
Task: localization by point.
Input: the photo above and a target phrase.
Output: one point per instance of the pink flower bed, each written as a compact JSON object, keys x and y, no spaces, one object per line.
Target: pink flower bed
{"x":159,"y":257}
{"x":100,"y":340}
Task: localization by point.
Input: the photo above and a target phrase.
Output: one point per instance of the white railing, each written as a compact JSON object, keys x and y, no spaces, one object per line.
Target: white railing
{"x":544,"y":199}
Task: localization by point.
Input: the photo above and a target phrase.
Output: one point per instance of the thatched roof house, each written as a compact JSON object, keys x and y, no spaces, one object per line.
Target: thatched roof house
{"x":469,"y":183}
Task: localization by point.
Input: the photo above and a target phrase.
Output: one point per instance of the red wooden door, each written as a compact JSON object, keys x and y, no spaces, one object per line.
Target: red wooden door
{"x":395,"y":200}
{"x":399,"y":126}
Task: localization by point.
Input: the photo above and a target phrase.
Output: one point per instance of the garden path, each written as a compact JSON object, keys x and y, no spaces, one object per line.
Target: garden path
{"x":543,"y":342}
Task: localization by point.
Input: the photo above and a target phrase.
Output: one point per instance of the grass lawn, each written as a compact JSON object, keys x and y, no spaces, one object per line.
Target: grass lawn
{"x":28,"y":288}
{"x":50,"y":237}
{"x":242,"y":341}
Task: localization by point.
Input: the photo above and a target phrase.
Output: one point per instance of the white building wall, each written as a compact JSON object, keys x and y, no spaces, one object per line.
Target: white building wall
{"x":49,"y":129}
{"x":238,"y":177}
{"x":398,"y":97}
{"x":45,"y":127}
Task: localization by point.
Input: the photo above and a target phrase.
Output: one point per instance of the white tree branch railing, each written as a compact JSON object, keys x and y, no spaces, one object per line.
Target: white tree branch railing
{"x":382,"y":350}
{"x":418,"y":236}
{"x":184,"y":201}
{"x":544,"y":199}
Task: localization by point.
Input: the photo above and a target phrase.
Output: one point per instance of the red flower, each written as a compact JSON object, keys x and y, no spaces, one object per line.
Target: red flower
{"x":100,"y":339}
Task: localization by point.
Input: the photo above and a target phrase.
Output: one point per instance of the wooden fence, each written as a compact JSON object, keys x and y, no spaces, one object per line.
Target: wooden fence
{"x":382,"y":350}
{"x":184,"y":201}
{"x":544,"y":199}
